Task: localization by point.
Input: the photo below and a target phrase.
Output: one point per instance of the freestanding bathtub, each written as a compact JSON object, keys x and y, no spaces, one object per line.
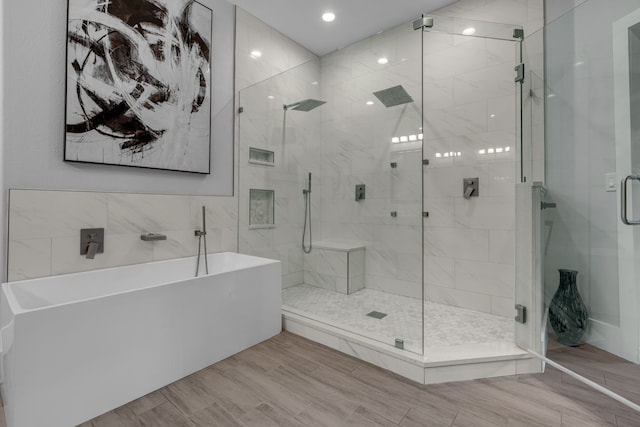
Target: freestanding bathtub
{"x":79,"y":345}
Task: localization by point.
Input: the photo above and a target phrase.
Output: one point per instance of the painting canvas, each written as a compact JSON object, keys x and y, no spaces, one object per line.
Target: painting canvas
{"x":139,"y":84}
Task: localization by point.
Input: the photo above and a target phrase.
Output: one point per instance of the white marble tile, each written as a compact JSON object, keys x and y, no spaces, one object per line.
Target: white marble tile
{"x":502,"y":246}
{"x":123,"y":249}
{"x":180,"y":244}
{"x":503,"y":307}
{"x":441,"y":211}
{"x":380,"y":262}
{"x":220,"y":211}
{"x":410,"y":267}
{"x":439,"y":271}
{"x":45,"y":214}
{"x":356,"y":283}
{"x":29,"y":259}
{"x":326,"y":262}
{"x":485,"y":212}
{"x":400,"y":367}
{"x":502,"y":111}
{"x":445,"y":326}
{"x":459,"y":243}
{"x":405,"y":288}
{"x":485,"y":278}
{"x":466,"y":372}
{"x":324,"y":281}
{"x":357,"y":263}
{"x":459,"y":298}
{"x":147,"y":213}
{"x":342,"y":285}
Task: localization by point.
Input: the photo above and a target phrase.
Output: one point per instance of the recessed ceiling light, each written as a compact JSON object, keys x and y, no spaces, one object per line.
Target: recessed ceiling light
{"x":328,"y":16}
{"x":271,"y":97}
{"x":369,"y":102}
{"x":255,"y":54}
{"x":469,"y":31}
{"x":382,"y":60}
{"x":314,"y":83}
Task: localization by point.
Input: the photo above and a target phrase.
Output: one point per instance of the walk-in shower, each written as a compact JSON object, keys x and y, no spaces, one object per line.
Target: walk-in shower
{"x":440,"y":266}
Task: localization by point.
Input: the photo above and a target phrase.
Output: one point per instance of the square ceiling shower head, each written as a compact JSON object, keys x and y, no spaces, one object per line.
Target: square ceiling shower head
{"x":308,"y":105}
{"x":393,"y":96}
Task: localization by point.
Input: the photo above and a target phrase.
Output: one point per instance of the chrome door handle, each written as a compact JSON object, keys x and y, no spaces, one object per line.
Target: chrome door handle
{"x":623,"y":200}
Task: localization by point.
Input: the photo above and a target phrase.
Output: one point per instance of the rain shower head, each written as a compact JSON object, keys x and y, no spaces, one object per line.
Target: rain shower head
{"x":305,"y":105}
{"x":393,"y":96}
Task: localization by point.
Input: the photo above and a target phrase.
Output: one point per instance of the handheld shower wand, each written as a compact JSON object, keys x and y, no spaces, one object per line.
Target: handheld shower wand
{"x":307,"y":214}
{"x":202,"y":237}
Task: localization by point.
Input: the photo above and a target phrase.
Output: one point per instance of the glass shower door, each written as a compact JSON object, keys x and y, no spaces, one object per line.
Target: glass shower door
{"x":470,"y":143}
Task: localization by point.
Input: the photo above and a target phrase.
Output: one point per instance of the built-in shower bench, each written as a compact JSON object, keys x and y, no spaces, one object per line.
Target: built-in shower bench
{"x":336,"y":266}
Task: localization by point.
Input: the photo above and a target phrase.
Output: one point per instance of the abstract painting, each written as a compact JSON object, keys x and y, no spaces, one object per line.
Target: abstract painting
{"x":139,"y":84}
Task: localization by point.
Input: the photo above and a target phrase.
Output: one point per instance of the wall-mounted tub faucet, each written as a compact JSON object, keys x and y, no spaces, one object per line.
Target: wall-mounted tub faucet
{"x":202,"y":238}
{"x":91,"y":242}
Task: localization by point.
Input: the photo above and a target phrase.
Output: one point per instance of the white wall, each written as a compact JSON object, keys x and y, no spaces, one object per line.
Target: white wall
{"x":3,"y":200}
{"x":34,"y":41}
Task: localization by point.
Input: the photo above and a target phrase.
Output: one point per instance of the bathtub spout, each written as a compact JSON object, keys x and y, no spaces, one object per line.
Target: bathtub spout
{"x":92,"y":249}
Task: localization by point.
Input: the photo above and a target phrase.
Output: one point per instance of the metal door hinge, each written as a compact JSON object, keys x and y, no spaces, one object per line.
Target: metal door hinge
{"x":425,"y":162}
{"x":425,"y":214}
{"x":519,"y":69}
{"x":518,"y":33}
{"x":424,"y":22}
{"x":240,"y":110}
{"x":521,"y":313}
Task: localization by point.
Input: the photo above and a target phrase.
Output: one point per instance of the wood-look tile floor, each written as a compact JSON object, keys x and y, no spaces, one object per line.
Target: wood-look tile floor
{"x":290,"y":381}
{"x":616,"y":374}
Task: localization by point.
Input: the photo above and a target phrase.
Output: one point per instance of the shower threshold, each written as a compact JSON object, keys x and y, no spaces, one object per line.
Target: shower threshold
{"x":451,"y":354}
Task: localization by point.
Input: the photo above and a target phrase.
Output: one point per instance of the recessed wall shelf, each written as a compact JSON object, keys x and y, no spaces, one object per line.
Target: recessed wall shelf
{"x":261,"y":208}
{"x":258,"y":156}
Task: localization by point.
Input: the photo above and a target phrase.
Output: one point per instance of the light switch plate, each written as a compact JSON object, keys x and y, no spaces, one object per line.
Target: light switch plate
{"x":610,"y":181}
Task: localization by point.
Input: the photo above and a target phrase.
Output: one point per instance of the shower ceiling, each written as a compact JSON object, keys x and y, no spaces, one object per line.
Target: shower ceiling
{"x":355,"y":19}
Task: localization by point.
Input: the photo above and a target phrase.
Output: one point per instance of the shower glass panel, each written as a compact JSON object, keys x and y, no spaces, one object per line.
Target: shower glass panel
{"x":291,"y":141}
{"x":364,"y":272}
{"x":371,"y":137}
{"x":471,"y":140}
{"x":592,"y":134}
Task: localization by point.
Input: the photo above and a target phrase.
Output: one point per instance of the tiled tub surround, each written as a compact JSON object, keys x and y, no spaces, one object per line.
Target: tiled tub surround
{"x":335,"y":266}
{"x":44,"y":229}
{"x":75,"y":346}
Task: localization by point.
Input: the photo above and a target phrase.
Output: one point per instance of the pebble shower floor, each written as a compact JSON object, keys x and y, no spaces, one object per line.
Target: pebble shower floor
{"x":444,"y":325}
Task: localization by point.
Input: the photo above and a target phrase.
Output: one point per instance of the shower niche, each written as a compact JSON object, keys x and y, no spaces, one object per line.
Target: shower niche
{"x":261,"y":208}
{"x":259,"y":156}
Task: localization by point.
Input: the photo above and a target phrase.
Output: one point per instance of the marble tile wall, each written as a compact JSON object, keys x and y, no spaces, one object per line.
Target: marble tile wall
{"x":44,"y":229}
{"x":357,"y":132}
{"x":469,"y":99}
{"x":283,"y":74}
{"x":335,"y":270}
{"x":293,"y":137}
{"x":278,"y":52}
